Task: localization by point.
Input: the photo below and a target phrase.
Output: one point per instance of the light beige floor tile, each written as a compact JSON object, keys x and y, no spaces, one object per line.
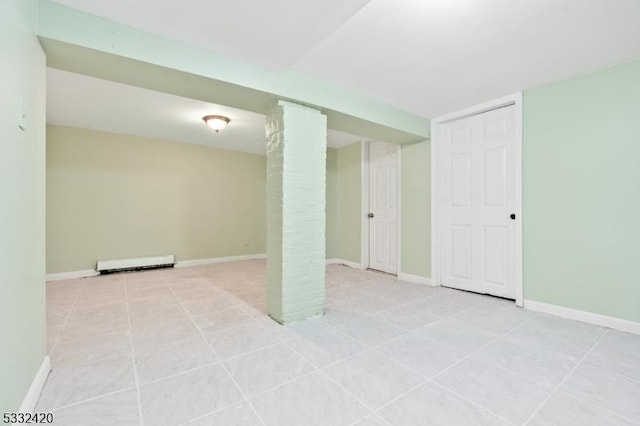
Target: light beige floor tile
{"x":374,"y":379}
{"x":93,"y":327}
{"x":145,"y":317}
{"x":624,"y":363}
{"x":70,"y":384}
{"x":240,"y":340}
{"x":53,"y":334}
{"x":546,"y":368}
{"x":563,"y":410}
{"x":82,"y":351}
{"x":214,"y":321}
{"x":184,"y":397}
{"x":503,"y":393}
{"x":157,"y":362}
{"x":461,"y":337}
{"x":409,"y":317}
{"x":604,"y":389}
{"x":618,"y":341}
{"x":162,"y":332}
{"x":96,"y":312}
{"x":433,"y":405}
{"x":372,"y":420}
{"x":266,"y":368}
{"x":238,"y":415}
{"x":426,"y":357}
{"x":324,"y":345}
{"x":116,"y":409}
{"x":310,"y":400}
{"x":371,"y":331}
{"x":456,"y":338}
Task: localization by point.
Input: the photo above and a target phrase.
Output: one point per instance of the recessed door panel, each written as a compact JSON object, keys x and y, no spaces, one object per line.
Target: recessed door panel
{"x":495,"y":177}
{"x":460,"y":134}
{"x":461,"y":180}
{"x":495,"y":127}
{"x":461,"y":251}
{"x":495,"y":255}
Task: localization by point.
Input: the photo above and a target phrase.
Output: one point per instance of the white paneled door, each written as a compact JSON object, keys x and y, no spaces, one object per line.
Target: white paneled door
{"x":476,"y":199}
{"x":383,"y":206}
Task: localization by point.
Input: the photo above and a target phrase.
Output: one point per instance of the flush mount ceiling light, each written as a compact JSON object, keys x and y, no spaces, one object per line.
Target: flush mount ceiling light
{"x":216,"y":122}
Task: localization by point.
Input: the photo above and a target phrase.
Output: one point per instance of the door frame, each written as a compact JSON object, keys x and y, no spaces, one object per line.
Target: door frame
{"x":365,"y":208}
{"x":515,"y":100}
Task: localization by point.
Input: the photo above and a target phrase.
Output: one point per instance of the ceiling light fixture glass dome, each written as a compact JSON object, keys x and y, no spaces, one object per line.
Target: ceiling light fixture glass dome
{"x":216,"y":122}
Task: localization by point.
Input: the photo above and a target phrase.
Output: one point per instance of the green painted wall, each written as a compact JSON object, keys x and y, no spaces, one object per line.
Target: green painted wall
{"x":349,"y":202}
{"x":581,"y":186}
{"x":332,"y":244}
{"x":22,"y":187}
{"x":416,"y":209}
{"x":117,"y":196}
{"x":416,"y":206}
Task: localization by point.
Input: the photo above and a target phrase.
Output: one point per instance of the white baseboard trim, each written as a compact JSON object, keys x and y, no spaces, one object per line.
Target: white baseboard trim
{"x":31,"y":398}
{"x":180,"y":264}
{"x":212,"y":260}
{"x":72,"y":275}
{"x":415,"y":279}
{"x":350,"y":264}
{"x":584,"y":316}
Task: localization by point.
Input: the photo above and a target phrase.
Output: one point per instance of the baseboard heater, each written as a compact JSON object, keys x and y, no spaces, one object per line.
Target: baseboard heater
{"x":135,"y":264}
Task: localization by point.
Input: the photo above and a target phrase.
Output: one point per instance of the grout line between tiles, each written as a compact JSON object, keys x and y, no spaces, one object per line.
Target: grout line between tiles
{"x":377,"y":346}
{"x":93,"y":398}
{"x":279,"y":385}
{"x":431,"y":379}
{"x":326,"y":376}
{"x":397,"y":397}
{"x":171,"y":376}
{"x":470,"y":401}
{"x":413,"y":331}
{"x":377,"y":315}
{"x":374,"y":415}
{"x":133,"y":354}
{"x":599,"y":407}
{"x":613,"y":373}
{"x":235,"y":383}
{"x":497,"y":338}
{"x":566,"y":377}
{"x":66,"y":320}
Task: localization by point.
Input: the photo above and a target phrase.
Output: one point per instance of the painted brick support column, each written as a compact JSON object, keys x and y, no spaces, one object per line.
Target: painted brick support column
{"x":296,"y":180}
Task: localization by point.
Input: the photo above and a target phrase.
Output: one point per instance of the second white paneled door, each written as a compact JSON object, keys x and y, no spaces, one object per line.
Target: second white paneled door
{"x":383,"y":206}
{"x":476,"y":199}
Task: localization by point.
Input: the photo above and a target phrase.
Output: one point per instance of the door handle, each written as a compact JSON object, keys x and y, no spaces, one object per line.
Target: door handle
{"x":513,"y":216}
{"x":370,"y":215}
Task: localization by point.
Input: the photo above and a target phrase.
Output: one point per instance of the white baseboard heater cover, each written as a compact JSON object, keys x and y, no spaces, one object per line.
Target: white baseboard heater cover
{"x":119,"y":265}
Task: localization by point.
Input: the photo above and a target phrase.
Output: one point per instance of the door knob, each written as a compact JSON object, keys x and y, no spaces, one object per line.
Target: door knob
{"x":513,"y":216}
{"x":370,"y":215}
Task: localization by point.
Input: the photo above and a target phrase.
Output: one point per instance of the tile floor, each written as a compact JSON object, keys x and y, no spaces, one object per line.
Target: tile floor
{"x":195,"y":346}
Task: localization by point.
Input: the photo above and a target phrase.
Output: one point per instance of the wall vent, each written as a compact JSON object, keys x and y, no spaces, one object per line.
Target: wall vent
{"x":135,"y":264}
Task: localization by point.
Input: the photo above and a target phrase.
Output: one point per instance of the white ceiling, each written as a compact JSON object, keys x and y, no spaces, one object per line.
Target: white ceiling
{"x":76,"y":100}
{"x":274,"y":33}
{"x":429,"y":57}
{"x":433,"y":57}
